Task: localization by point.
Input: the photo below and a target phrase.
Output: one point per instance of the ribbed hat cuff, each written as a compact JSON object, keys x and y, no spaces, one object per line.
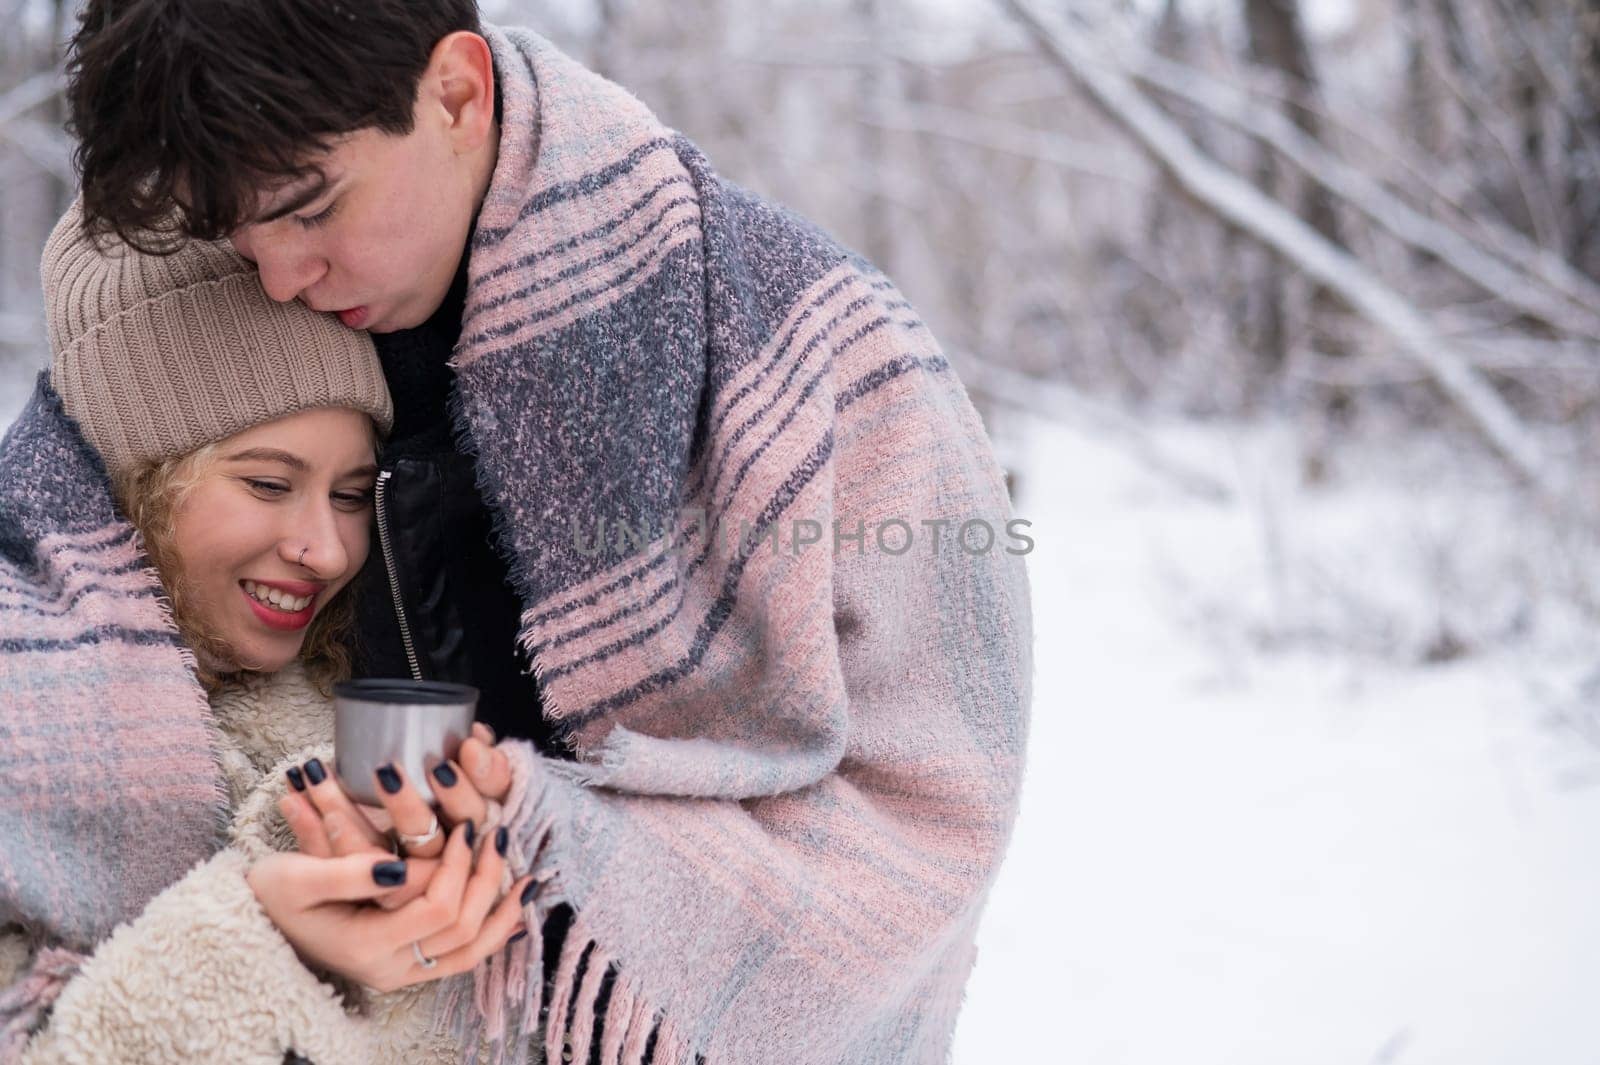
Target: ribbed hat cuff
{"x":188,"y":367}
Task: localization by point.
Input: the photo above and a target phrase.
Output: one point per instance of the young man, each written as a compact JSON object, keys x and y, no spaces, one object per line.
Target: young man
{"x":661,"y":444}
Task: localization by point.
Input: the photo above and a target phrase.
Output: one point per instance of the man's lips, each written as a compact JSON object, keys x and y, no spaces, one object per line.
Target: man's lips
{"x":355,"y":317}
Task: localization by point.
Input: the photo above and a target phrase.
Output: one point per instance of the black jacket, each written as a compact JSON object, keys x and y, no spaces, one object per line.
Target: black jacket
{"x":434,"y":600}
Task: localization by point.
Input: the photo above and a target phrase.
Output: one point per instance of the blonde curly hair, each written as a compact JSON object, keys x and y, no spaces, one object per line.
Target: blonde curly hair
{"x":151,"y":495}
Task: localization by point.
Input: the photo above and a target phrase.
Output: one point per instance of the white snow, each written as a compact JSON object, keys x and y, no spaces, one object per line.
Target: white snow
{"x":1234,"y":854}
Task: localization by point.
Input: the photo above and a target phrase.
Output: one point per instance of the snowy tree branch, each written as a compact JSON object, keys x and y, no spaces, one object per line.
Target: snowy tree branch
{"x":1008,"y":138}
{"x":24,"y":97}
{"x":1573,"y":308}
{"x":1246,"y":207}
{"x":45,"y":147}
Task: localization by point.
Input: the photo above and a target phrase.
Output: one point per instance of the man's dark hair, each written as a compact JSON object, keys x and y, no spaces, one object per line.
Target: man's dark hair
{"x":198,"y":104}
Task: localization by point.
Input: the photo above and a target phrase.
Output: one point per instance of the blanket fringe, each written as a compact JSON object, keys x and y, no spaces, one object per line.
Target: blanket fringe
{"x":24,"y":1004}
{"x":496,"y":981}
{"x":640,"y":1025}
{"x":671,"y":1047}
{"x":524,"y":983}
{"x":561,"y":995}
{"x":619,"y":1020}
{"x":447,"y":1005}
{"x":630,"y":1017}
{"x":581,"y":1030}
{"x":503,"y":1006}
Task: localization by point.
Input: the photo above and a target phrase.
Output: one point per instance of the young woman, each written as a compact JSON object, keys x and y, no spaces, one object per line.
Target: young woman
{"x":237,"y":438}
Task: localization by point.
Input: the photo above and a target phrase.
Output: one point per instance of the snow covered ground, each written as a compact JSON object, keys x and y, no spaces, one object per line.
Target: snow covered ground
{"x":1235,"y":853}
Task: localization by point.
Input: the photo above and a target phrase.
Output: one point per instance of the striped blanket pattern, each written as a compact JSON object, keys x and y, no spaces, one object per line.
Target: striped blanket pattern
{"x":109,"y":784}
{"x":708,"y":432}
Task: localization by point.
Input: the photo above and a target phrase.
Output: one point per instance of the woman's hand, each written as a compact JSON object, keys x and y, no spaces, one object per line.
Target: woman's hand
{"x":326,"y":821}
{"x":323,"y":907}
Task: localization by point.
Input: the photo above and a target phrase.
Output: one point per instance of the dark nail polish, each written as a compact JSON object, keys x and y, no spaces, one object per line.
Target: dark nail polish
{"x":444,"y":774}
{"x":388,"y":778}
{"x":472,"y":834}
{"x":297,"y":779}
{"x":314,"y":771}
{"x":529,"y":891}
{"x":389,"y":874}
{"x":501,"y":839}
{"x":520,"y":935}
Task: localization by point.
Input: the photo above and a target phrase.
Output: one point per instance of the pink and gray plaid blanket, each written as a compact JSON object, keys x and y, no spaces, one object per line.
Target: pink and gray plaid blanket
{"x":109,"y":784}
{"x":759,"y":533}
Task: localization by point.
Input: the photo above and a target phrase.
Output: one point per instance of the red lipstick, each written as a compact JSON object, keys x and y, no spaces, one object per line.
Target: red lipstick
{"x":284,"y":621}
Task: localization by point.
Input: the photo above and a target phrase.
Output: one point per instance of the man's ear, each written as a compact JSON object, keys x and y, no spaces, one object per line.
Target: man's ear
{"x":458,"y":88}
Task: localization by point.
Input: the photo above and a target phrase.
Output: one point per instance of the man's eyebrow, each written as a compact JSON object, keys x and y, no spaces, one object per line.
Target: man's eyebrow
{"x":294,"y":203}
{"x":270,"y":454}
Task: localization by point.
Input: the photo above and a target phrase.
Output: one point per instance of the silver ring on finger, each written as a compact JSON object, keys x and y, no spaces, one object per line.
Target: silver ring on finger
{"x":422,"y":959}
{"x":422,"y":840}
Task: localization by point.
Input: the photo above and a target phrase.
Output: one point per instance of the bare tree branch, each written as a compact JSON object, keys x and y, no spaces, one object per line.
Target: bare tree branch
{"x":1575,"y":305}
{"x":23,"y":98}
{"x":46,"y":148}
{"x":1520,"y":360}
{"x":1253,"y":212}
{"x":1007,"y":138}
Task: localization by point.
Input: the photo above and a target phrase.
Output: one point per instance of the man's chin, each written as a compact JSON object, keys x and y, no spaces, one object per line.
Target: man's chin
{"x":391,"y":323}
{"x":407,"y":315}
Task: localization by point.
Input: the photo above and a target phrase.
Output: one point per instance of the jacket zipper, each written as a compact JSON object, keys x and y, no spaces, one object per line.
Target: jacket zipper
{"x":387,"y":548}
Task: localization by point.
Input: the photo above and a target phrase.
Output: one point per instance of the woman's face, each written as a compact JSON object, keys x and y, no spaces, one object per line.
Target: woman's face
{"x":274,"y":528}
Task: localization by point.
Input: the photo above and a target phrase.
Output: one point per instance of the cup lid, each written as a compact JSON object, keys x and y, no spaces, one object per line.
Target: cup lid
{"x":405,"y":691}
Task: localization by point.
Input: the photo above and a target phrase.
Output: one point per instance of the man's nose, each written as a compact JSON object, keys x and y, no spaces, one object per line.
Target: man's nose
{"x":287,"y":265}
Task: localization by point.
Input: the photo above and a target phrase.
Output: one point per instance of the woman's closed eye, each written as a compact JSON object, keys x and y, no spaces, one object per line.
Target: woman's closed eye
{"x":352,"y":499}
{"x":266,"y":489}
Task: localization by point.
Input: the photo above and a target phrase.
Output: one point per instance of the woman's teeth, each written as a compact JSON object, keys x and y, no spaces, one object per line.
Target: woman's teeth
{"x":288,"y":604}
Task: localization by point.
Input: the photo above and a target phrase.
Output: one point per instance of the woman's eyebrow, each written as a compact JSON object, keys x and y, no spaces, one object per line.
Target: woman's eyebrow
{"x":368,"y":470}
{"x":270,"y":454}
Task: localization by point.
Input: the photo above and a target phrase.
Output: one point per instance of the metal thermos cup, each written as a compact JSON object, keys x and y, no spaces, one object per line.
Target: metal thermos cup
{"x":416,"y":724}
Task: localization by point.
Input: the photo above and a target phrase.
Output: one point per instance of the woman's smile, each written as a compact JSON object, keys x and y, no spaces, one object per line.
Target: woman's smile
{"x":284,"y":605}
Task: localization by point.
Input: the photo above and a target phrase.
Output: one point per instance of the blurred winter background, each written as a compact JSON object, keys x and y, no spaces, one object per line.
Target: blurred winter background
{"x":1285,"y":318}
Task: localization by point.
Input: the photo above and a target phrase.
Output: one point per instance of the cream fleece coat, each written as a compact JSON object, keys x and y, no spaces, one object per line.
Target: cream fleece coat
{"x":202,"y":975}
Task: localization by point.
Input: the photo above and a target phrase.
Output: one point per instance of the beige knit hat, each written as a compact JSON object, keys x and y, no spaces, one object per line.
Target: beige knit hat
{"x":155,"y":356}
